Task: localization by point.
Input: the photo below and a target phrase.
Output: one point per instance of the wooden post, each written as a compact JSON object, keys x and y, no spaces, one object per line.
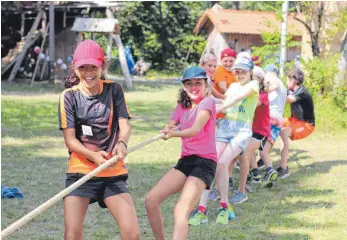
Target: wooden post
{"x":38,"y":56}
{"x":28,"y":42}
{"x":64,"y":19}
{"x":43,"y":68}
{"x":79,"y":38}
{"x":92,"y":35}
{"x":44,"y":22}
{"x":123,"y":62}
{"x":109,"y":48}
{"x":122,"y":59}
{"x":51,"y":43}
{"x":22,"y":26}
{"x":283,"y":57}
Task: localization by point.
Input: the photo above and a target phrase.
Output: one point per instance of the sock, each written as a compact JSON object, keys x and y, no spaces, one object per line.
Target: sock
{"x":255,"y":171}
{"x":202,"y":209}
{"x":268,"y":169}
{"x":223,"y":205}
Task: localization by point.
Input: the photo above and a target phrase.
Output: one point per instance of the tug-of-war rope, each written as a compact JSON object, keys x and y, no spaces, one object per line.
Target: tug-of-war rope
{"x":43,"y":207}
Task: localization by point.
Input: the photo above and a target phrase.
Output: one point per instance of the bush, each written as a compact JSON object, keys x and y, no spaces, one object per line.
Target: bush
{"x":329,"y":116}
{"x":320,"y":79}
{"x":320,"y":74}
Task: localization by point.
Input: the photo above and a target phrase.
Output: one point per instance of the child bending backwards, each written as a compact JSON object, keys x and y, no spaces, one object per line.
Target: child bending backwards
{"x":302,"y":121}
{"x":195,"y":170}
{"x":261,"y":131}
{"x":232,"y":137}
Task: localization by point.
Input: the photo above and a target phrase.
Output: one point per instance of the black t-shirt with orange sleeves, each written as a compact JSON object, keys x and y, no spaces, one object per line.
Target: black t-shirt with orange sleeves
{"x":101,"y":113}
{"x":223,"y":75}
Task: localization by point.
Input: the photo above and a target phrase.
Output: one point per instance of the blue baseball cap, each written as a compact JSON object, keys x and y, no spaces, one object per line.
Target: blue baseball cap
{"x":243,"y":63}
{"x":194,"y":72}
{"x":272,"y":68}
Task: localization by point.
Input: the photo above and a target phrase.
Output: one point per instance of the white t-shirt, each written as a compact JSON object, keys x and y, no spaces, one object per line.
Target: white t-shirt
{"x":277,"y":98}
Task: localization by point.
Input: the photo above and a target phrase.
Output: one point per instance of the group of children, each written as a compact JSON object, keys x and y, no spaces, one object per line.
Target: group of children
{"x":224,"y":114}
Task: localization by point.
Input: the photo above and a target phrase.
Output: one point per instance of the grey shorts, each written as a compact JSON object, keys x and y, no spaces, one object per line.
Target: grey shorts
{"x":234,"y":132}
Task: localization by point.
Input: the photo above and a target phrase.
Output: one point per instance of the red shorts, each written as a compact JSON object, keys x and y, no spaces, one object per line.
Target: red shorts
{"x":300,"y":129}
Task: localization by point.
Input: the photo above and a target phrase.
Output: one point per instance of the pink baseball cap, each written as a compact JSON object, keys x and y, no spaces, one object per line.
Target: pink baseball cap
{"x":88,"y":52}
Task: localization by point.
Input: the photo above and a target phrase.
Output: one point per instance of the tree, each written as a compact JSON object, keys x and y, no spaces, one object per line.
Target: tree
{"x":229,"y":4}
{"x":340,"y":85}
{"x":162,"y":32}
{"x":270,"y":51}
{"x":271,"y":6}
{"x":340,"y":25}
{"x":310,"y":14}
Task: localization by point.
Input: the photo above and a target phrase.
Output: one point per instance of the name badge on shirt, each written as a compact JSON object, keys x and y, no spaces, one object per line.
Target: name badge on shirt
{"x":87,"y":130}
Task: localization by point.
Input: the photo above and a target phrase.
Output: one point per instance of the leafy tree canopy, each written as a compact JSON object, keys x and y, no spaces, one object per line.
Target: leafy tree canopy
{"x":162,"y":32}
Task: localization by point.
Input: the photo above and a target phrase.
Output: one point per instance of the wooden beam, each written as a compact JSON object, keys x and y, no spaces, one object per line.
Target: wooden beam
{"x":109,"y":47}
{"x":122,"y":59}
{"x":123,"y":62}
{"x":64,"y":19}
{"x":92,"y":34}
{"x":38,"y":56}
{"x":22,"y":26}
{"x":51,"y":42}
{"x":29,"y":41}
{"x":43,"y":67}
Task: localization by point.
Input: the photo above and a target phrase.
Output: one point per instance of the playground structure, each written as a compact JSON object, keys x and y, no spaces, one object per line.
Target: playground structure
{"x":29,"y":58}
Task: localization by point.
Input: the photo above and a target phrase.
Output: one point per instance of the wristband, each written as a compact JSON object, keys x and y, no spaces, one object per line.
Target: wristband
{"x":120,"y":141}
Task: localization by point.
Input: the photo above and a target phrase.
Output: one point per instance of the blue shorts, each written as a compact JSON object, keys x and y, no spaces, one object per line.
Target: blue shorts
{"x":235,"y":132}
{"x":275,"y":132}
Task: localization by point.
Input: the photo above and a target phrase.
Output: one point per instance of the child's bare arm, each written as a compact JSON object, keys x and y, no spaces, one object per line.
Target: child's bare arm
{"x":235,"y":100}
{"x":200,"y":121}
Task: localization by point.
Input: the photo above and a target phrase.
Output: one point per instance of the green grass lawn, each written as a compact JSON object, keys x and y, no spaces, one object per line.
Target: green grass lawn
{"x":310,"y":204}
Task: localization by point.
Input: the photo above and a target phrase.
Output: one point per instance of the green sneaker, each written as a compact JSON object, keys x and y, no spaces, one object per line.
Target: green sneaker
{"x":223,"y":216}
{"x":198,"y":218}
{"x":231,"y":213}
{"x":270,"y":178}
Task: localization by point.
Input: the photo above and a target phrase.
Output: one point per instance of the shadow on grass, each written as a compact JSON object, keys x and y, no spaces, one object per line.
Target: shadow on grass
{"x":295,"y":155}
{"x":321,"y":167}
{"x":40,"y":178}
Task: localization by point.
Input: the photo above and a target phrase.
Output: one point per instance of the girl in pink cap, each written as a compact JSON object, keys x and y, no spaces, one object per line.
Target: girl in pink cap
{"x":94,"y":119}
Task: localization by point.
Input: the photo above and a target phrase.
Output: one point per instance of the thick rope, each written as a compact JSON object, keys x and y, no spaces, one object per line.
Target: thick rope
{"x":43,"y":207}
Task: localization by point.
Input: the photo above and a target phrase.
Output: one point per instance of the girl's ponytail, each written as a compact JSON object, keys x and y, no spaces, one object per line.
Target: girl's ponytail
{"x":71,"y":80}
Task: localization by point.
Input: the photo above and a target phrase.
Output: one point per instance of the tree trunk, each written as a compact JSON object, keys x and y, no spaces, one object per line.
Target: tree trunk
{"x":315,"y":45}
{"x":341,"y":77}
{"x":314,"y":30}
{"x":236,"y":5}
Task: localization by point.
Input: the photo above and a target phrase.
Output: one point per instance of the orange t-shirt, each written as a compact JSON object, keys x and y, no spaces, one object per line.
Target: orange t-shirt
{"x":220,"y":76}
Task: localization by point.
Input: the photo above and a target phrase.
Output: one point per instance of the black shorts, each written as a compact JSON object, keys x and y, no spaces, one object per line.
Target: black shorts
{"x":199,"y":167}
{"x":98,"y":188}
{"x":260,"y":138}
